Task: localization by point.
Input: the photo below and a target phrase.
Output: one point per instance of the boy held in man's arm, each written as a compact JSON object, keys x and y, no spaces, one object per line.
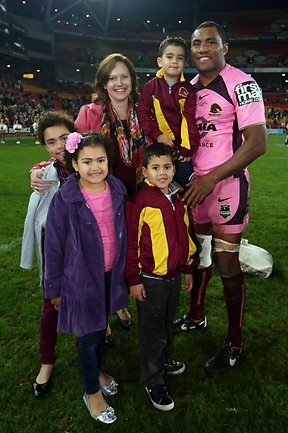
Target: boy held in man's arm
{"x":167,"y":107}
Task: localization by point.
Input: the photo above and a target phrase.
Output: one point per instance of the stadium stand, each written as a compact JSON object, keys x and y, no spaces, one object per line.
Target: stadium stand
{"x":62,"y":53}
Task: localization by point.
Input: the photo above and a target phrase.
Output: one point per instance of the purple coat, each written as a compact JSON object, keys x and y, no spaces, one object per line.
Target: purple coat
{"x":74,"y":259}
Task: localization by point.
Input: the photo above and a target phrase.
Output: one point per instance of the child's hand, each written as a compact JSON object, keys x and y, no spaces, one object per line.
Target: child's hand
{"x":188,"y":282}
{"x":37,"y":184}
{"x":184,"y":159}
{"x":56,"y":301}
{"x":138,"y":292}
{"x":165,"y":139}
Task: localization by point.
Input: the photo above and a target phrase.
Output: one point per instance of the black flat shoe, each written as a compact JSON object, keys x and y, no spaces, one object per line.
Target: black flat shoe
{"x":125,"y":324}
{"x":40,"y":389}
{"x":109,"y":340}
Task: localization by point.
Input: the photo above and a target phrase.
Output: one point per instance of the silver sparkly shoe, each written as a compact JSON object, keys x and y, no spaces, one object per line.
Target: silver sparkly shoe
{"x":107,"y":416}
{"x":110,"y":389}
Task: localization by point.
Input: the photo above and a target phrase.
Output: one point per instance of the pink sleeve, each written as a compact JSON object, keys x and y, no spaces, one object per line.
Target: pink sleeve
{"x":89,"y":118}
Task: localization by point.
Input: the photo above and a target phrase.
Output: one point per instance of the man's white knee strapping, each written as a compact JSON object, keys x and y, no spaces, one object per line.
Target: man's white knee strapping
{"x":205,"y":255}
{"x":221,"y":246}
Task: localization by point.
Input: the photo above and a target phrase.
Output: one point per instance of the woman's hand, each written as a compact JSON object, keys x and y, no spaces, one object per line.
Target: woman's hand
{"x":188,"y":282}
{"x":138,"y":292}
{"x":56,"y":301}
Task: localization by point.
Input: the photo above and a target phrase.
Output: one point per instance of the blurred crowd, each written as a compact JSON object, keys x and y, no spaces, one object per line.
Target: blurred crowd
{"x":24,"y":106}
{"x":21,"y":106}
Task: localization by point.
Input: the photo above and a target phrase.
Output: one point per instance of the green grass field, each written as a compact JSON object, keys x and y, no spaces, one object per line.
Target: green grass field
{"x":250,"y":398}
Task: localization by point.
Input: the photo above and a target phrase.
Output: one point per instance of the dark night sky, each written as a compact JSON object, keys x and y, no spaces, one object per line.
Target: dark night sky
{"x":134,"y":14}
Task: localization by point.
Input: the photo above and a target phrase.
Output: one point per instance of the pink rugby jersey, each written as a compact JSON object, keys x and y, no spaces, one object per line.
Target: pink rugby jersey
{"x":226,"y":106}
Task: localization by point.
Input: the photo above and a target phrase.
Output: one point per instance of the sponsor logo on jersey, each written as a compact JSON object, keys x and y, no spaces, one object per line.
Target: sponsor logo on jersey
{"x":215,"y":109}
{"x":183,"y":92}
{"x":225,"y":210}
{"x":205,"y":144}
{"x":203,"y":96}
{"x":248,"y":92}
{"x":204,"y":126}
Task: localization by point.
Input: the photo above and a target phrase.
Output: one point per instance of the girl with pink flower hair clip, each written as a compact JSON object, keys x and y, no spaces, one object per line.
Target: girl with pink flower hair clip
{"x":85,"y":254}
{"x":73,"y":141}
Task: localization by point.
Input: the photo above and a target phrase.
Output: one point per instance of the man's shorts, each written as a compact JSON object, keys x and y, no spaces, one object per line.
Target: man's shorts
{"x":226,"y":208}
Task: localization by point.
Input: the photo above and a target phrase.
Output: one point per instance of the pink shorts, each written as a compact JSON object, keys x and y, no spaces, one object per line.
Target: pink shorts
{"x":226,"y":208}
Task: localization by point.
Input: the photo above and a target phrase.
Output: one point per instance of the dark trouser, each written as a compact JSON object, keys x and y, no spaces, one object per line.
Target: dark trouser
{"x":90,"y":351}
{"x":156,"y":315}
{"x":48,"y":332}
{"x":183,"y":172}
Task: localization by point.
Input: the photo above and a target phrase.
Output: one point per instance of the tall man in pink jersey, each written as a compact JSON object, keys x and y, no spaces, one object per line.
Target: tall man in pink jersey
{"x":231,"y":121}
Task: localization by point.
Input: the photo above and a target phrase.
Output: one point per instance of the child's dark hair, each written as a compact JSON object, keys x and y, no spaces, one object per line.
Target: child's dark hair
{"x":156,"y":149}
{"x":93,"y":139}
{"x":53,"y":118}
{"x":173,"y":40}
{"x":211,"y":24}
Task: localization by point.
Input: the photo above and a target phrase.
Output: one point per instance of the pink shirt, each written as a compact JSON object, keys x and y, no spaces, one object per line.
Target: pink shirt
{"x":224,"y":108}
{"x":100,"y":204}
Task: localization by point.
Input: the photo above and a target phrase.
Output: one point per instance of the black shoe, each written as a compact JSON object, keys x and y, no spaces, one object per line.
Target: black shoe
{"x":185,"y":324}
{"x":159,"y":397}
{"x":174,"y":367}
{"x":109,"y":340}
{"x":40,"y":389}
{"x":124,"y":323}
{"x":224,"y":359}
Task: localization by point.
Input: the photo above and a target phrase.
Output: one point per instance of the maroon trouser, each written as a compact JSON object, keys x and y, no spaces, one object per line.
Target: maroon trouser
{"x":48,"y":332}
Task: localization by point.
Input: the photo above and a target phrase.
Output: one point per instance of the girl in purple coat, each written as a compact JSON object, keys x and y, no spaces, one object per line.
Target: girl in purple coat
{"x":85,"y":252}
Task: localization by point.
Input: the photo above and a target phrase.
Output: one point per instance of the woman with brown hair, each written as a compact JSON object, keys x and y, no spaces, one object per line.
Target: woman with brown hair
{"x":113,"y":112}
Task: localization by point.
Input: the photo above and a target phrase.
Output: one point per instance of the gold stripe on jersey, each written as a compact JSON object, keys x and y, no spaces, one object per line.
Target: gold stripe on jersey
{"x":154,"y":219}
{"x":192,"y":246}
{"x":185,"y":142}
{"x":162,"y":122}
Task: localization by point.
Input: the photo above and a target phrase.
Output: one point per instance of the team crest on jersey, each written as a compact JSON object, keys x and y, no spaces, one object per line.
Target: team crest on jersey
{"x":248,"y":92}
{"x":183,"y":92}
{"x":225,"y":210}
{"x":215,"y":109}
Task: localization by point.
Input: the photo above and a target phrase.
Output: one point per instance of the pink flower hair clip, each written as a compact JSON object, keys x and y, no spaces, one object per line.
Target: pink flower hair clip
{"x":72,"y":141}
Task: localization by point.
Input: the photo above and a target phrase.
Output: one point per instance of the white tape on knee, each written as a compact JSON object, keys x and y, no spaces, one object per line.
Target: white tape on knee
{"x":221,"y":246}
{"x":205,"y":255}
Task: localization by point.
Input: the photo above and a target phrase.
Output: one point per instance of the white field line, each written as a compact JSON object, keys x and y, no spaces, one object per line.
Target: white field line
{"x":13,"y":244}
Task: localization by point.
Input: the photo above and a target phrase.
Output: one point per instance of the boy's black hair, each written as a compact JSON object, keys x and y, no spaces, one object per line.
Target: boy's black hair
{"x":208,"y":24}
{"x":173,"y":40}
{"x":53,"y":118}
{"x":156,"y":149}
{"x":92,"y":139}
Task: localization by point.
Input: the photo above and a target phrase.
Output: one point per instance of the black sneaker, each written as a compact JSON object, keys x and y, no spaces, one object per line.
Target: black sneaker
{"x":174,"y":367}
{"x":225,"y":359}
{"x":159,"y":397}
{"x":185,"y":324}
